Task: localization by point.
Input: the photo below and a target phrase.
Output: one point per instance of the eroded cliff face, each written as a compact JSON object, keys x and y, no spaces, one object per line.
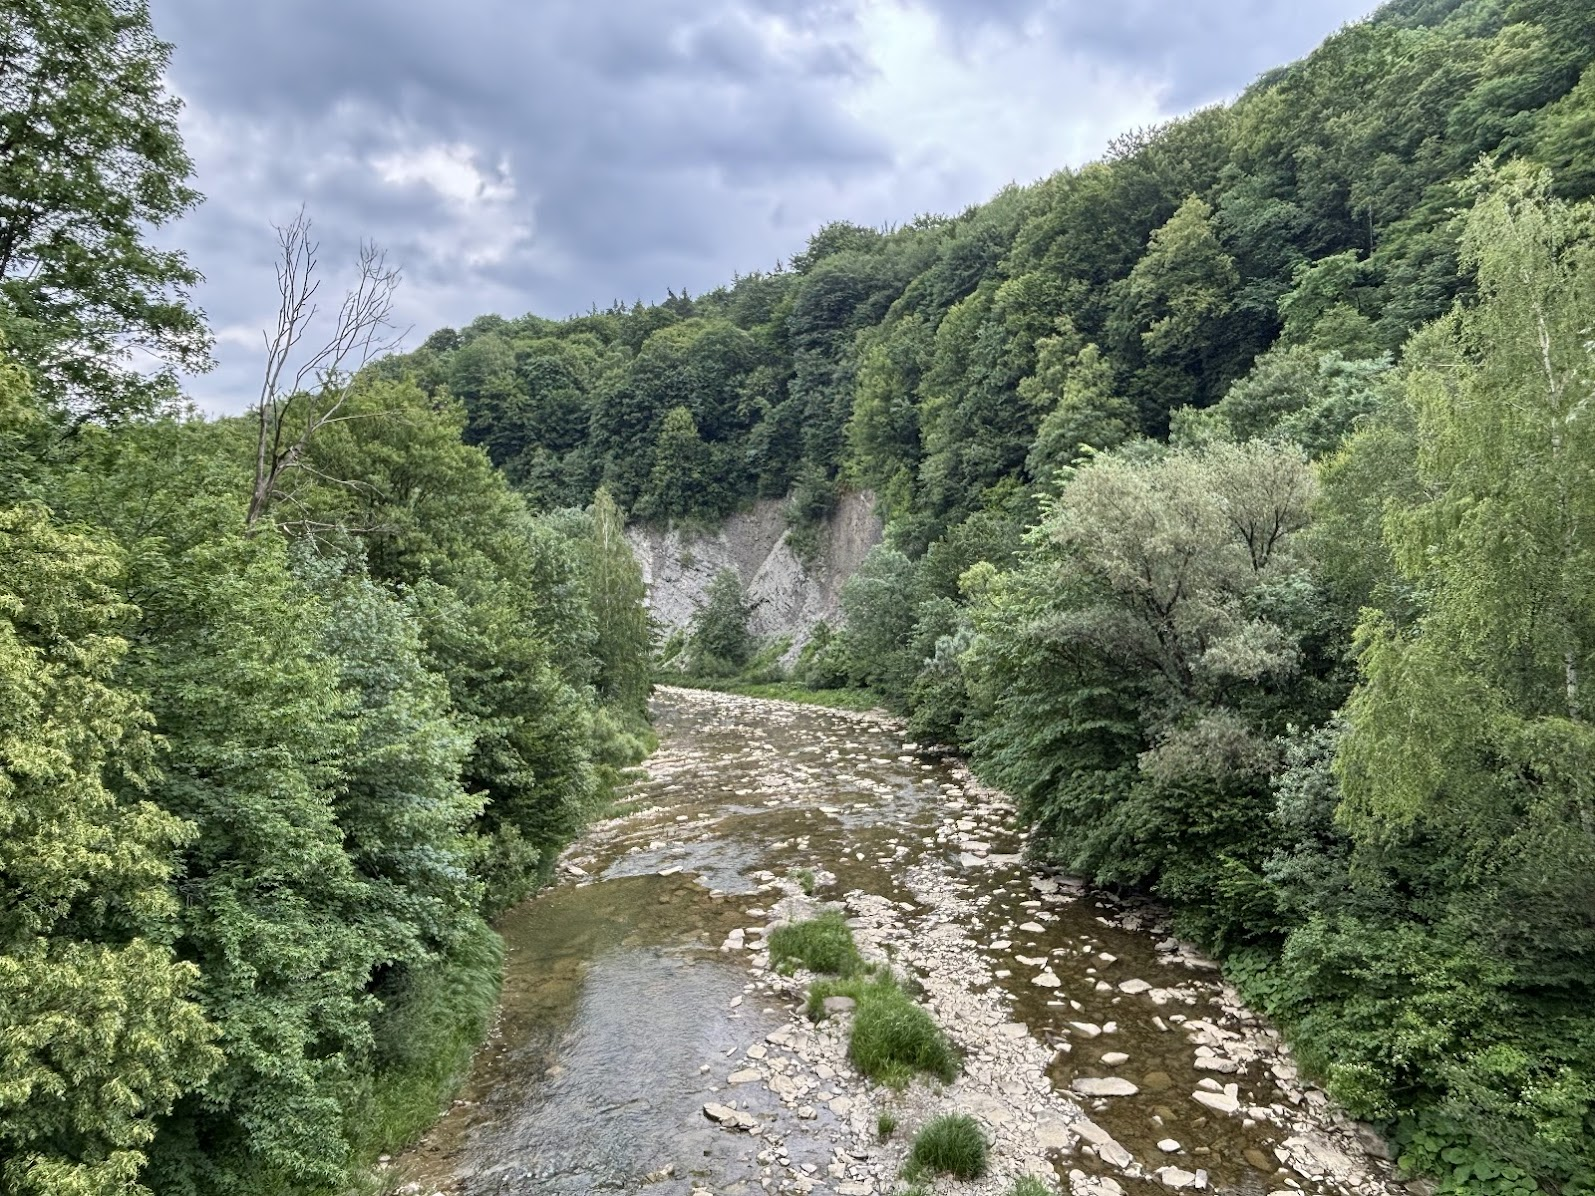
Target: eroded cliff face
{"x":789,"y":598}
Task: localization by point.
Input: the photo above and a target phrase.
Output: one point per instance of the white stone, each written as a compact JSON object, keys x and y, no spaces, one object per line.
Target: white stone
{"x":1111,"y":1152}
{"x":1104,"y":1086}
{"x":1168,"y":1146}
{"x":1134,"y":988}
{"x":1115,"y":1058}
{"x":1081,"y":1184}
{"x":1218,"y":1101}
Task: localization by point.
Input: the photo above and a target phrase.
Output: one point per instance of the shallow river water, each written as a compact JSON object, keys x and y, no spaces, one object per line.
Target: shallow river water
{"x":1099,"y":1052}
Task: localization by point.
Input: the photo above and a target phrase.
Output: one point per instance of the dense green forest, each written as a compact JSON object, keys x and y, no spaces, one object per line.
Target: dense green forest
{"x":1239,"y":521}
{"x":1238,"y":501}
{"x":264,"y":774}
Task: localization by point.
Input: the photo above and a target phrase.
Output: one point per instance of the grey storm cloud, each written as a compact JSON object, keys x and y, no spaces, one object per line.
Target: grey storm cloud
{"x":545,"y":157}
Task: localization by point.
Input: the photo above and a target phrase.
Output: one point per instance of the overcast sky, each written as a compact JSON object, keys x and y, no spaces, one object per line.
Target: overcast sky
{"x":546,"y":155}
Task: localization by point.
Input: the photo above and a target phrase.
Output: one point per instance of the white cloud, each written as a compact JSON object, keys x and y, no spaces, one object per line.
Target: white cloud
{"x":481,"y":222}
{"x":450,"y":170}
{"x":969,"y":110}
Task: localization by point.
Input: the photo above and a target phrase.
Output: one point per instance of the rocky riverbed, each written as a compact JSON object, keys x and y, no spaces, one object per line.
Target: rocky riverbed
{"x":645,"y":1044}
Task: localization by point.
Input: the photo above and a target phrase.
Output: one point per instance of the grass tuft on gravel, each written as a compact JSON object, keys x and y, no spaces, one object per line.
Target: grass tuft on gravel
{"x":1030,"y":1185}
{"x":950,"y":1145}
{"x":892,"y":1038}
{"x":823,"y":944}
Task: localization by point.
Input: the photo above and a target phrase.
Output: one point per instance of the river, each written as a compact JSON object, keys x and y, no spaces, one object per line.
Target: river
{"x":1099,"y":1052}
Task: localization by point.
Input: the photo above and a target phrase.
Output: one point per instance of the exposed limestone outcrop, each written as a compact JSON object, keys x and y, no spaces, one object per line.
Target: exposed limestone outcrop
{"x":789,"y":598}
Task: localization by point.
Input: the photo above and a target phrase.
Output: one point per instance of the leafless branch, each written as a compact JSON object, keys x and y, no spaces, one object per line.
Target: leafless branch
{"x":307,"y":382}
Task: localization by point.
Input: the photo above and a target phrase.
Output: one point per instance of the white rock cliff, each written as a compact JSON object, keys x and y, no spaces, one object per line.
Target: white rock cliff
{"x":788,"y":598}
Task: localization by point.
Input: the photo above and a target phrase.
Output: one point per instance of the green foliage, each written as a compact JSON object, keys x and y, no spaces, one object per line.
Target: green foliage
{"x":880,"y":623}
{"x":92,"y":162}
{"x":424,"y":1039}
{"x":362,"y":736}
{"x":1466,"y":756}
{"x":1030,"y":1185}
{"x":821,"y":944}
{"x":1129,"y":672}
{"x":720,"y":643}
{"x":680,"y":469}
{"x":885,"y":1125}
{"x":952,"y":1144}
{"x":823,"y":662}
{"x":615,"y":595}
{"x":100,"y":1030}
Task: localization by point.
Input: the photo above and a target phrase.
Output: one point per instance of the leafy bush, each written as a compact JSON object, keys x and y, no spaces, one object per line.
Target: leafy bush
{"x":720,"y":642}
{"x":823,"y":662}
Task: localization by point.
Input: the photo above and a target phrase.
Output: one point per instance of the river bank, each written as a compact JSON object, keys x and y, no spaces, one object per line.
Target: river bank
{"x":645,"y":1043}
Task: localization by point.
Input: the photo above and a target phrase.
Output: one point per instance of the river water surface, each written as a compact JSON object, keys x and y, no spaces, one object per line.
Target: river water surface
{"x":636,"y":993}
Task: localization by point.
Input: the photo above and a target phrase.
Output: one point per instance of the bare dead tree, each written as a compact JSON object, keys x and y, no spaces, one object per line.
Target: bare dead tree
{"x":307,"y":385}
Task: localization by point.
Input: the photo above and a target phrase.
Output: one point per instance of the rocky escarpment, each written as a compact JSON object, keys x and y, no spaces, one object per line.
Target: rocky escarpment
{"x":789,"y":597}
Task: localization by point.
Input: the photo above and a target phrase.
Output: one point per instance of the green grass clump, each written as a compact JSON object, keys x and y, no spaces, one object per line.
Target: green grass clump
{"x":1030,"y":1185}
{"x":892,"y":1038}
{"x":822,"y":944}
{"x":950,"y":1145}
{"x":806,"y":880}
{"x":885,"y":1126}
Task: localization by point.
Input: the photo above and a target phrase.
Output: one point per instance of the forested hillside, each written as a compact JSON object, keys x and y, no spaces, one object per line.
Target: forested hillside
{"x":1238,"y":493}
{"x":264,"y":774}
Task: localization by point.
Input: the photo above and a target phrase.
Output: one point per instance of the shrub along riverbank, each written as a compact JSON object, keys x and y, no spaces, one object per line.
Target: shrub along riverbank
{"x":262,"y":790}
